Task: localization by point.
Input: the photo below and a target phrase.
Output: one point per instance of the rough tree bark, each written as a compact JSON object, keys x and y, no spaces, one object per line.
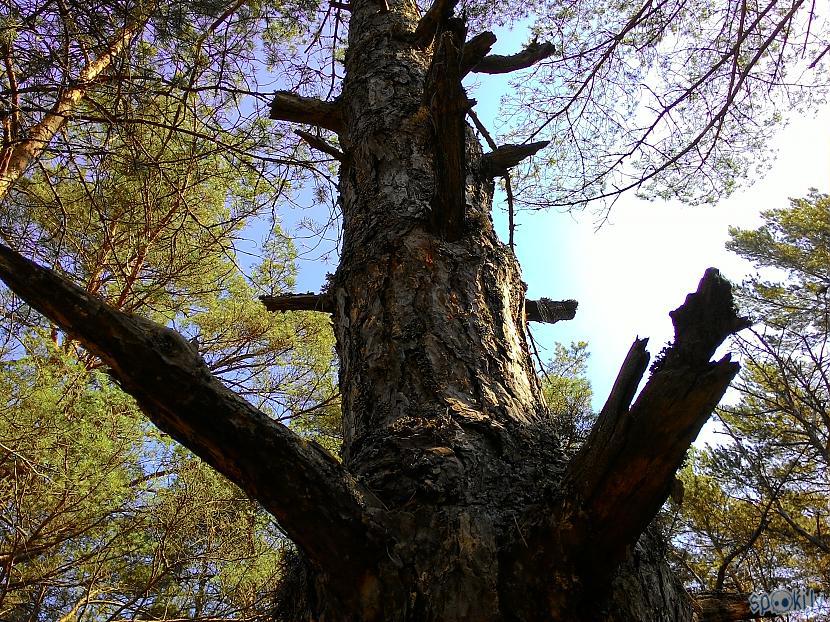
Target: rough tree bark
{"x":454,"y":501}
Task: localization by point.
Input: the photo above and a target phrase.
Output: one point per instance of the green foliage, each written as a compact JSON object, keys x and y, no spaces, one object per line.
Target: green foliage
{"x":756,"y":509}
{"x":568,"y":393}
{"x":102,"y":516}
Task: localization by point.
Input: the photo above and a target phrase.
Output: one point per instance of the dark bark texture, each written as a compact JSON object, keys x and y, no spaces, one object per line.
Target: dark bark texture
{"x":454,"y":500}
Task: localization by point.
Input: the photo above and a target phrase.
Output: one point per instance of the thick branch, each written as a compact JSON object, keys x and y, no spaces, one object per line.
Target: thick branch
{"x":299,"y":302}
{"x":315,"y":142}
{"x":318,"y":504}
{"x":448,"y":105}
{"x":288,"y":106}
{"x":550,"y":311}
{"x":496,"y":163}
{"x":16,"y":158}
{"x":475,"y":50}
{"x":432,"y":21}
{"x":624,"y":471}
{"x":531,"y":55}
{"x":721,"y":607}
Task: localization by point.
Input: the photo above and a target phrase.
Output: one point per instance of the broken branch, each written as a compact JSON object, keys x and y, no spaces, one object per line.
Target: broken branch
{"x":315,"y":142}
{"x":496,"y":162}
{"x":624,"y":471}
{"x":320,"y":506}
{"x":475,"y":50}
{"x":299,"y":302}
{"x":531,"y":55}
{"x":430,"y":24}
{"x":550,"y":311}
{"x":288,"y":106}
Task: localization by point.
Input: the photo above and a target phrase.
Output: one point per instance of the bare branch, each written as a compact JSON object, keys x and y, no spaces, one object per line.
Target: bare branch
{"x":550,"y":311}
{"x":318,"y":504}
{"x":288,"y":106}
{"x":531,"y":55}
{"x":496,"y":163}
{"x":299,"y":302}
{"x":315,"y":142}
{"x":475,"y":50}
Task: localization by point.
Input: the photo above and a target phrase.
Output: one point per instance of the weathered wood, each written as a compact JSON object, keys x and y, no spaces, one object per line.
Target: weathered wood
{"x":299,"y":302}
{"x":475,"y":50}
{"x":531,"y":55}
{"x":624,"y":471}
{"x":448,"y":105}
{"x":550,"y":311}
{"x":288,"y":106}
{"x":724,"y":607}
{"x":496,"y":163}
{"x":431,"y":24}
{"x":328,"y":514}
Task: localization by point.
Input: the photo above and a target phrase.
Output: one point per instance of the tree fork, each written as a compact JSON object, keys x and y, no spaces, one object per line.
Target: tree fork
{"x":622,"y":475}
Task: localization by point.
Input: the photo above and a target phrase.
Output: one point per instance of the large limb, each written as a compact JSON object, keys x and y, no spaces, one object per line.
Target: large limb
{"x":20,"y":152}
{"x":624,"y":471}
{"x":318,"y":504}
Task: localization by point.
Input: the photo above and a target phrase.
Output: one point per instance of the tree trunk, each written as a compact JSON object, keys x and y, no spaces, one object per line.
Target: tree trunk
{"x":443,"y":414}
{"x":455,"y":501}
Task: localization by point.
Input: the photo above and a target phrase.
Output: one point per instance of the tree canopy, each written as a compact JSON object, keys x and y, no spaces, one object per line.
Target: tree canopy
{"x":755,"y":513}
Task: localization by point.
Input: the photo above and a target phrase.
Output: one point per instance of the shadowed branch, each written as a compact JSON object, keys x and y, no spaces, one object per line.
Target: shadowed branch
{"x":496,"y":162}
{"x":531,"y":55}
{"x":315,"y":142}
{"x":432,"y":21}
{"x":550,"y":311}
{"x":299,"y":302}
{"x":288,"y":106}
{"x":475,"y":50}
{"x":318,"y":504}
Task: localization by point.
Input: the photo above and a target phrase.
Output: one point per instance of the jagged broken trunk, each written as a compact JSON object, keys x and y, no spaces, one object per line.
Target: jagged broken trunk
{"x":443,"y":415}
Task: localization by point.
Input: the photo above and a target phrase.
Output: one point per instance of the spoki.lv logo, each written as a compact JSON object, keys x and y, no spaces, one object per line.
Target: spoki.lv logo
{"x":781,"y":601}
